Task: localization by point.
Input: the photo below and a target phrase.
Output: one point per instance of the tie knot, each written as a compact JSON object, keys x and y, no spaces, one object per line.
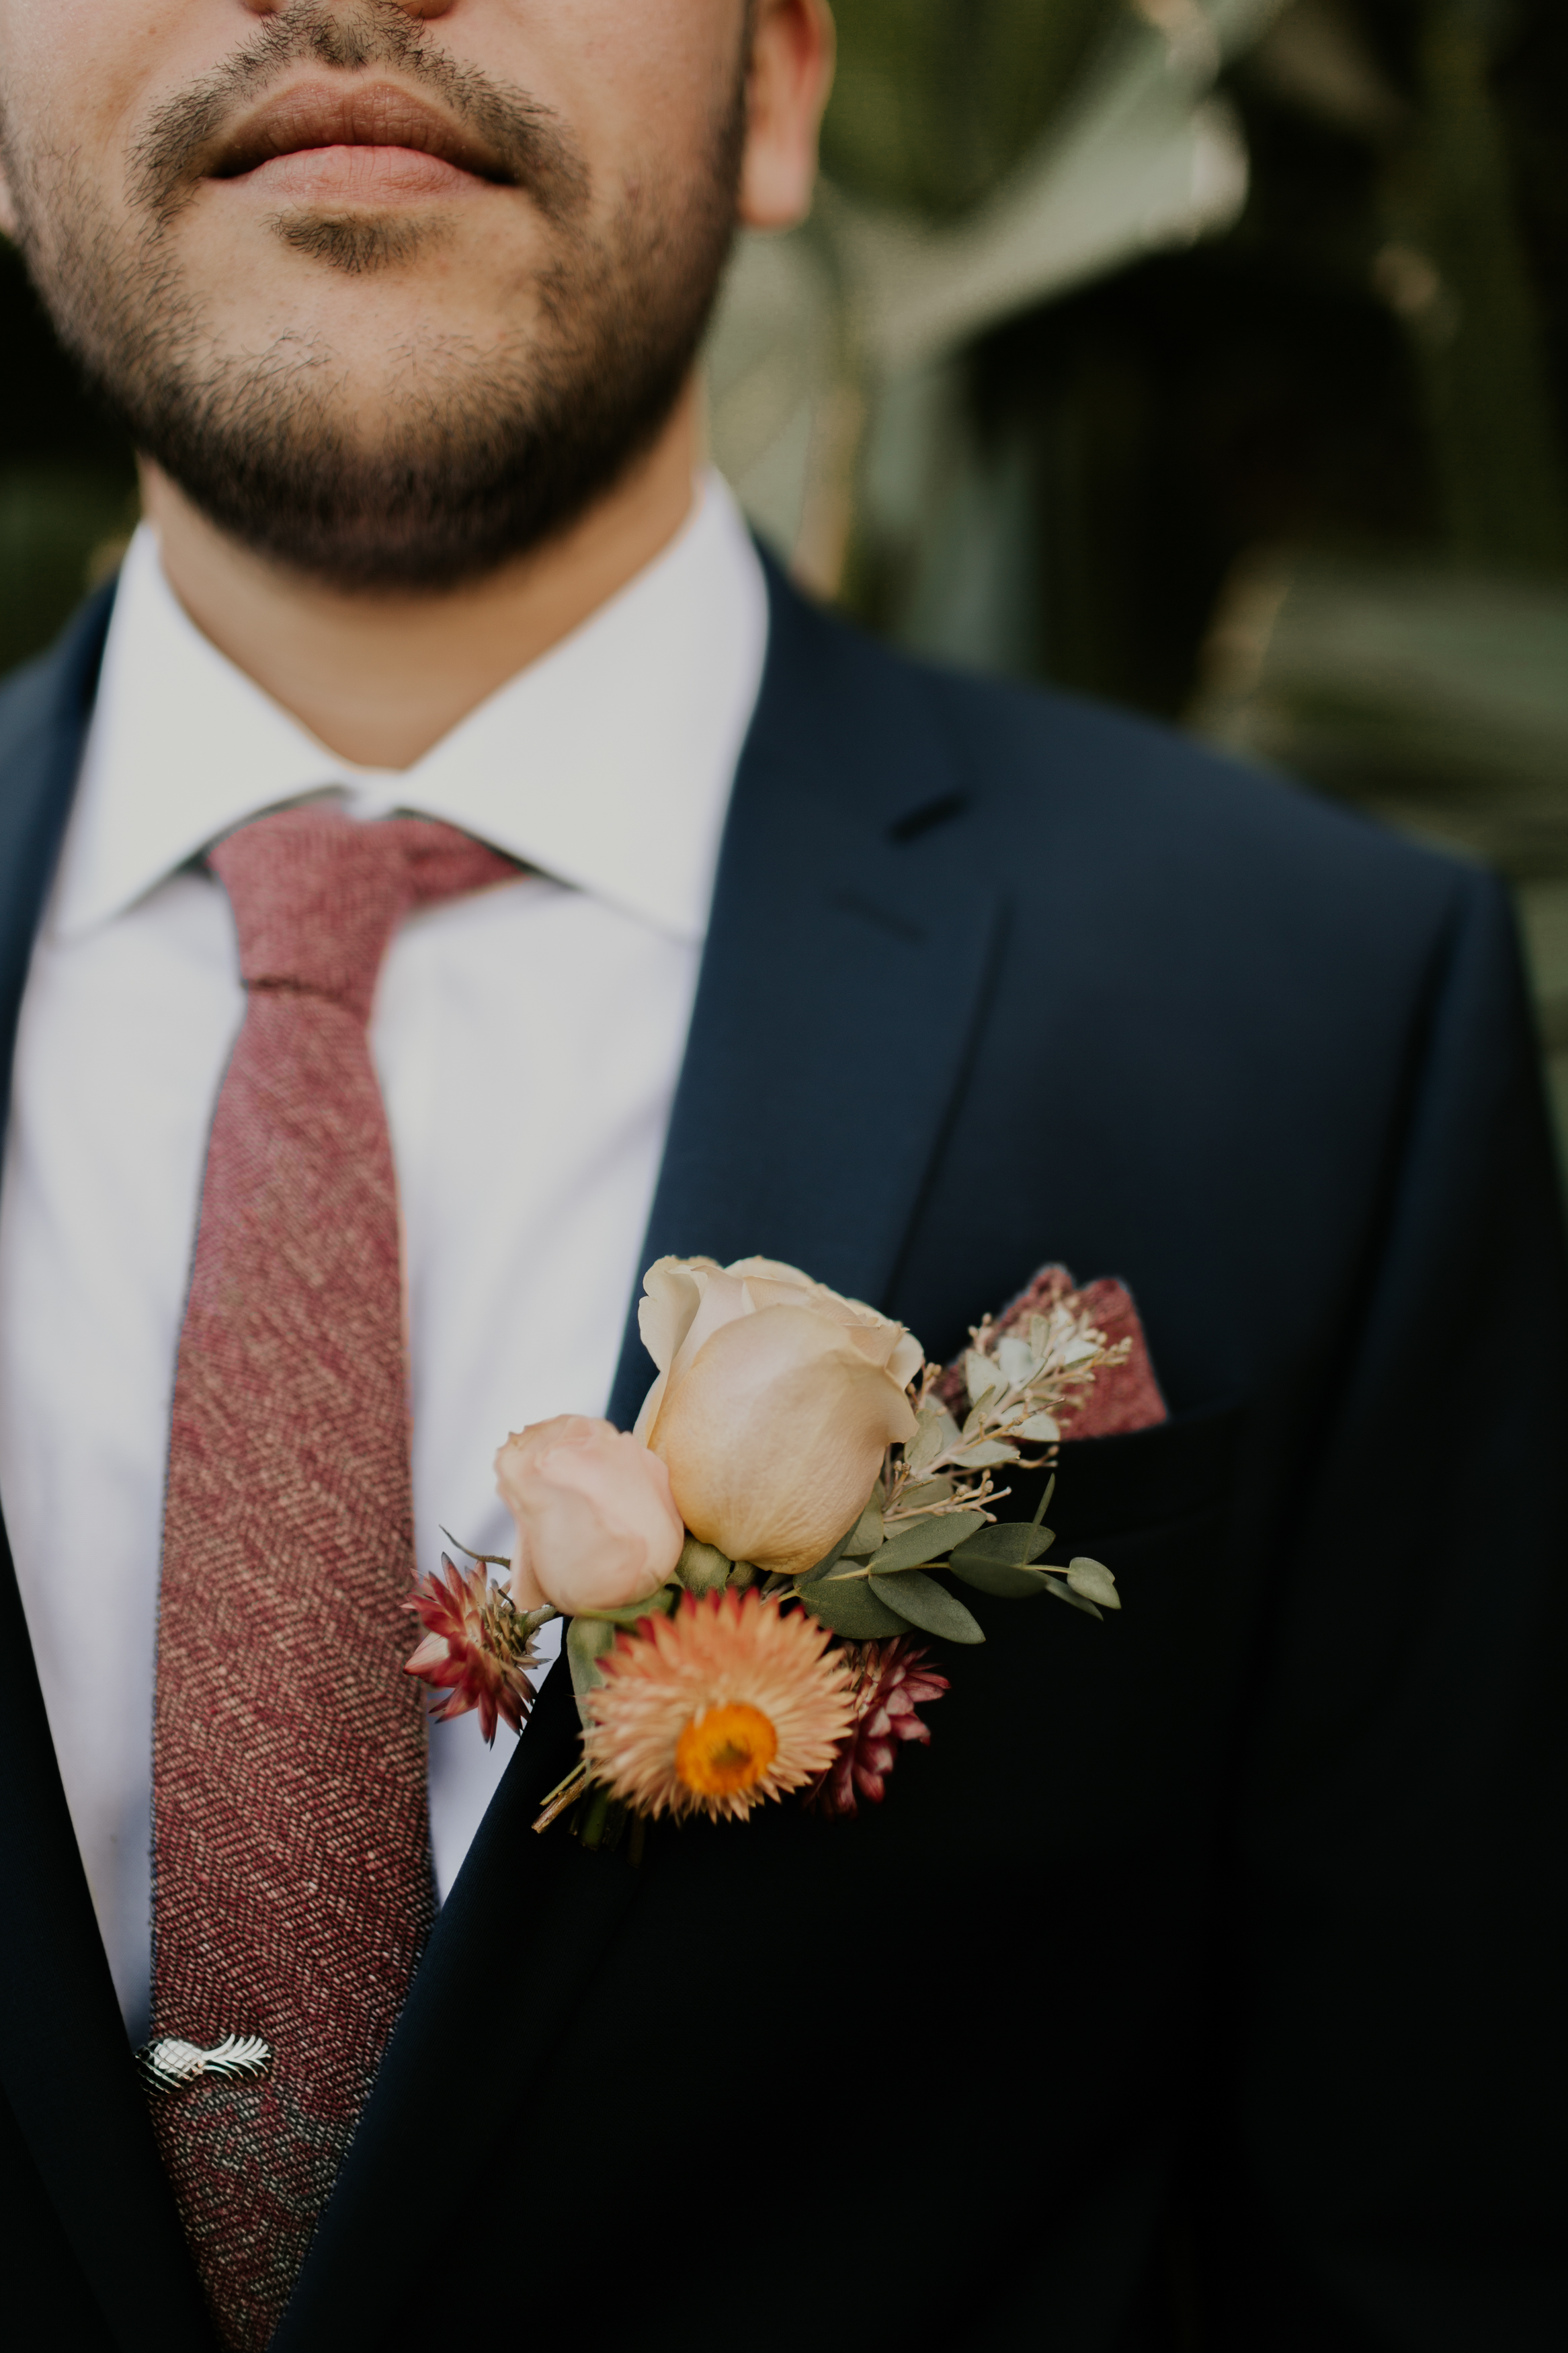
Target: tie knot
{"x":317,"y":897}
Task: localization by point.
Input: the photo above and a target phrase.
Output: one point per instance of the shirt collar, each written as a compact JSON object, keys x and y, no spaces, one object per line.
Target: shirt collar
{"x":607,"y":763}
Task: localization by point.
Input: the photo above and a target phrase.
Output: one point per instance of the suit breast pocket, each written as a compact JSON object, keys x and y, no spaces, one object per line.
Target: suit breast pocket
{"x":1069,"y":1732}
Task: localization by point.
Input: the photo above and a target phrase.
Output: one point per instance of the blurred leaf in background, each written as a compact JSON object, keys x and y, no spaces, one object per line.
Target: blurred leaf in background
{"x":1456,"y":271}
{"x":1423,"y":674}
{"x":937,"y":101}
{"x":980,"y":160}
{"x":67,"y":485}
{"x":63,"y":528}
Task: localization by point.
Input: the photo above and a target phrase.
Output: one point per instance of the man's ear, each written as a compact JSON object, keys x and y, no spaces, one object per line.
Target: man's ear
{"x":786,"y":89}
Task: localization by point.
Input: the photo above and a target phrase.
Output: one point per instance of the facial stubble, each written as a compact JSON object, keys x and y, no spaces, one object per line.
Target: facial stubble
{"x":478,"y":453}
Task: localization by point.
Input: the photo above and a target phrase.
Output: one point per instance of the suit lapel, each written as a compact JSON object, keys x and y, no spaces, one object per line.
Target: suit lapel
{"x":843,"y":977}
{"x":64,"y":2062}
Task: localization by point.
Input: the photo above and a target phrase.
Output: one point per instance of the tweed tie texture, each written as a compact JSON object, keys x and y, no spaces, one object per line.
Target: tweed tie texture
{"x":293,"y":1887}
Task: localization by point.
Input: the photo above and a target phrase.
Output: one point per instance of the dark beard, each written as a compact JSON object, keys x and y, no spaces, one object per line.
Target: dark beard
{"x":482,"y":458}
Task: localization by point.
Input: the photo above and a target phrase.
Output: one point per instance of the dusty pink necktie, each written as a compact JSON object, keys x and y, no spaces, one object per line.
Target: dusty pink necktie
{"x":293,"y":1887}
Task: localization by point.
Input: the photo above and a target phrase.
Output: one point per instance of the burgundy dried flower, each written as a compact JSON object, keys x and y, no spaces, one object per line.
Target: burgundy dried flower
{"x":475,"y":1647}
{"x":890,"y":1682}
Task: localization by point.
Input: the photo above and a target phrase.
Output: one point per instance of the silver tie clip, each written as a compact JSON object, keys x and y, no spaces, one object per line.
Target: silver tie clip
{"x":169,"y":2064}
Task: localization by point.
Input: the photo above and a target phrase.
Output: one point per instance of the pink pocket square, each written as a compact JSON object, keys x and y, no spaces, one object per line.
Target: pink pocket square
{"x":1124,"y":1396}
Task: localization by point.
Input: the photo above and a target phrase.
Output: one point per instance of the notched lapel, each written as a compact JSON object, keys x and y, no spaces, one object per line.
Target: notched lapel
{"x":845,"y":972}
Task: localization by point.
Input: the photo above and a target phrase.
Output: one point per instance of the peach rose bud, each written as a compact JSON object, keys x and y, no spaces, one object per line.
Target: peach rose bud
{"x":775,"y":1432}
{"x":596,"y":1522}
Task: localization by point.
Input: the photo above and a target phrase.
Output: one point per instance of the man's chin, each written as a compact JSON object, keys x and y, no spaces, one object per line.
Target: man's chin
{"x":450,"y":497}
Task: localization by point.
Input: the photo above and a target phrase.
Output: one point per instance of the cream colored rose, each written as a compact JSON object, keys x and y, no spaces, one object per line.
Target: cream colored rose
{"x":596,"y":1525}
{"x":775,"y":1402}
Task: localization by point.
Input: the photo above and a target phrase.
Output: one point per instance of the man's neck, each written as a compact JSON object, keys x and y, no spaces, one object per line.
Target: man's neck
{"x":381,"y":678}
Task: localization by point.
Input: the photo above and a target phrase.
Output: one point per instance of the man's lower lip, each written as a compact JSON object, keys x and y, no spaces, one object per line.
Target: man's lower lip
{"x":364,"y":175}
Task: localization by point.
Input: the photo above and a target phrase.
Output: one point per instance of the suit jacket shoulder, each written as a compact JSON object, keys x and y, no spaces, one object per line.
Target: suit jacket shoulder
{"x":1049,"y":773}
{"x":53,"y":692}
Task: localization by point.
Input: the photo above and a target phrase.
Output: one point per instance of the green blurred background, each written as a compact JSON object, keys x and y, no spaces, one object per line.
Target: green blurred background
{"x":1209,"y":355}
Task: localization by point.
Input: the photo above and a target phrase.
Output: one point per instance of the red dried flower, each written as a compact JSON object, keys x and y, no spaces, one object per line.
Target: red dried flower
{"x":890,"y":1682}
{"x":475,"y":1647}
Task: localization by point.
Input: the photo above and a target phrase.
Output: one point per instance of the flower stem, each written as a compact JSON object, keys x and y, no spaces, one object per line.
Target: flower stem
{"x":595,"y":1818}
{"x":565,"y":1794}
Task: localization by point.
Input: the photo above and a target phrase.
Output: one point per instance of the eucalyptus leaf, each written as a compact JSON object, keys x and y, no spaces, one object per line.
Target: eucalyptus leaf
{"x":935,"y":1432}
{"x":657,"y":1604}
{"x":1044,"y":1506}
{"x":829,"y":1559}
{"x":1018,"y":1361}
{"x":929,"y":1490}
{"x":911,"y":1548}
{"x":1040,"y":1429}
{"x":1003,"y":1583}
{"x":1010,"y":1543}
{"x":1065,"y":1593}
{"x":851,"y":1608}
{"x":988,"y":1451}
{"x":981,"y":1377}
{"x":1094,"y":1581}
{"x":929,"y":1606}
{"x":866,"y":1532}
{"x":587,"y":1639}
{"x":702,"y":1568}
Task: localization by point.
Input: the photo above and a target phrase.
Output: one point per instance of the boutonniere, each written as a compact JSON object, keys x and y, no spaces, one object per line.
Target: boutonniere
{"x":748,"y":1572}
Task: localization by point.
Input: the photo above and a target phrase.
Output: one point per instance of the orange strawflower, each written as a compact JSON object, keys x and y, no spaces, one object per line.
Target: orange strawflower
{"x":729,"y":1702}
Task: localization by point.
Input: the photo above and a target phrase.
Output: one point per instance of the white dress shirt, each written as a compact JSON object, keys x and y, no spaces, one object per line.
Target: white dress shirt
{"x":527,"y":1043}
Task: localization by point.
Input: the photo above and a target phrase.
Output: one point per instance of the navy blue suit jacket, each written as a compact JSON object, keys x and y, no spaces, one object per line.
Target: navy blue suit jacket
{"x":1197,"y":1985}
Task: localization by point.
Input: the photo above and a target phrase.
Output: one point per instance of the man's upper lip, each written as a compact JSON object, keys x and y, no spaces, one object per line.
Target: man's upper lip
{"x":356,"y":114}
